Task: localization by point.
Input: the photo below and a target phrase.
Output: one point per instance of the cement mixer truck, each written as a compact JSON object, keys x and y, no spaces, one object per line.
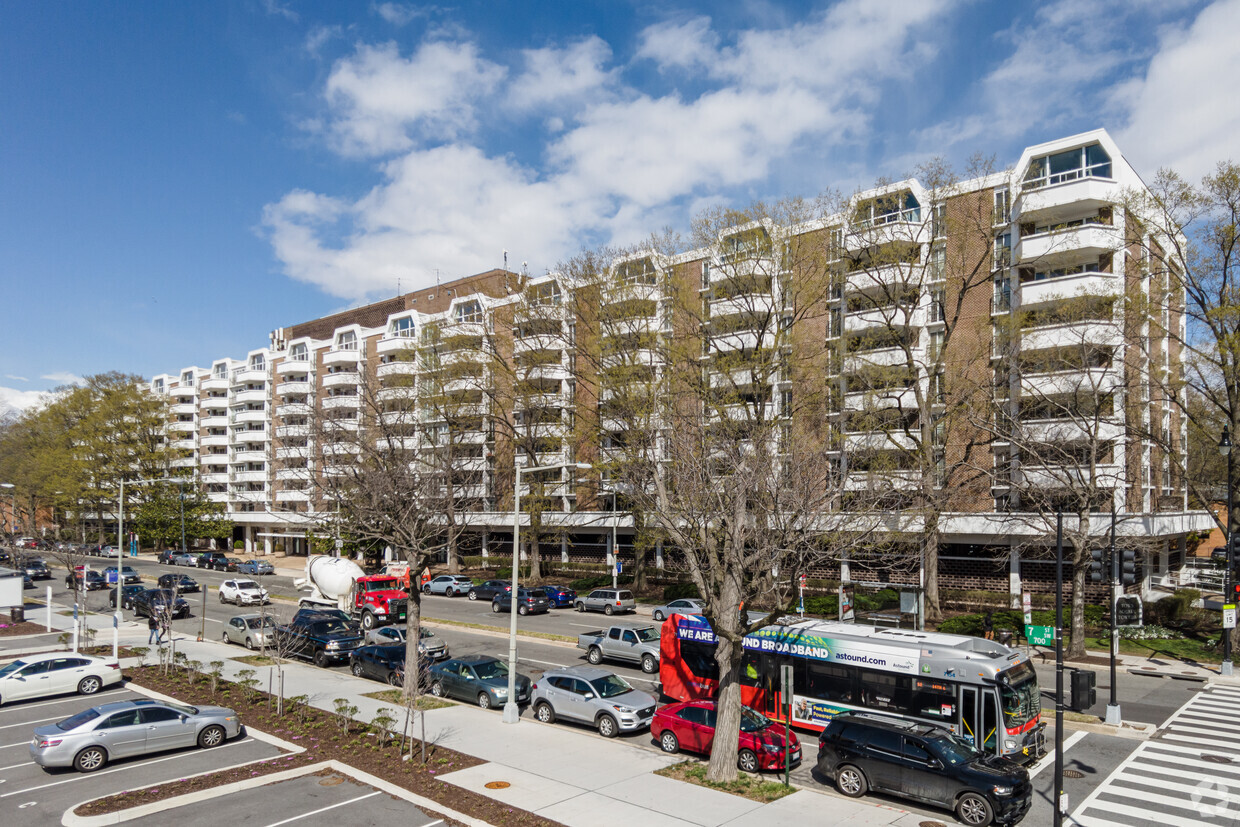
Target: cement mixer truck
{"x":339,"y":583}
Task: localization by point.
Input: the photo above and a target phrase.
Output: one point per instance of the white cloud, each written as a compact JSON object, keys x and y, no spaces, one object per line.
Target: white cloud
{"x":688,"y":44}
{"x":560,"y":77}
{"x":63,"y":377}
{"x":400,"y":14}
{"x":383,"y":101}
{"x":319,"y":36}
{"x":16,"y":378}
{"x":1183,"y":112}
{"x":13,"y":401}
{"x":275,"y":9}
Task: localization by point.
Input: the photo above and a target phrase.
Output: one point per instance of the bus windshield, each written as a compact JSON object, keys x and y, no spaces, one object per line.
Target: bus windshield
{"x":1021,"y":697}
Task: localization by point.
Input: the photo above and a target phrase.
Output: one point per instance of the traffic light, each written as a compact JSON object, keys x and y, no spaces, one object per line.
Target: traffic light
{"x":1084,"y":695}
{"x":1235,"y":593}
{"x":1097,"y":566}
{"x":1235,"y":548}
{"x":1128,"y":567}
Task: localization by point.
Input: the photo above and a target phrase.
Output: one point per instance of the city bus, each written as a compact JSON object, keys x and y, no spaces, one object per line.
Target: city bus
{"x":984,"y":692}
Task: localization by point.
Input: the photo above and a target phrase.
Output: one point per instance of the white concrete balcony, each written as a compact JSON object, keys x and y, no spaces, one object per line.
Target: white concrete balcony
{"x":183,"y":462}
{"x":247,"y":476}
{"x":295,"y":366}
{"x":903,"y":228}
{"x":540,"y":400}
{"x":899,"y":480}
{"x":241,"y":417}
{"x":406,"y":418}
{"x":245,"y":375}
{"x":472,"y":492}
{"x":242,"y":397}
{"x":758,"y":304}
{"x":293,"y":451}
{"x":885,"y":357}
{"x":1062,"y":431}
{"x":525,"y":344}
{"x":903,"y":398}
{"x":287,"y":431}
{"x":299,"y":387}
{"x":294,"y":409}
{"x":209,"y":440}
{"x":213,"y":383}
{"x":207,"y":403}
{"x":1104,"y":475}
{"x":285,"y":496}
{"x":883,"y":318}
{"x":214,"y":421}
{"x":339,"y":449}
{"x":183,"y":427}
{"x":482,"y":464}
{"x":346,"y":378}
{"x":183,"y":392}
{"x":1044,"y":204}
{"x":402,"y":368}
{"x":1088,"y":381}
{"x":1064,"y":246}
{"x":390,"y":394}
{"x":342,"y":357}
{"x":348,"y":426}
{"x":294,"y":474}
{"x":186,"y":408}
{"x":335,"y":403}
{"x":741,"y":340}
{"x":1104,"y":334}
{"x":884,"y":279}
{"x":217,"y":496}
{"x":219,"y":477}
{"x":397,"y":443}
{"x":554,"y":371}
{"x":241,"y":436}
{"x":243,"y":496}
{"x":1048,"y":291}
{"x":633,"y":292}
{"x":187,"y":444}
{"x":248,"y":456}
{"x":545,"y":430}
{"x":396,"y":344}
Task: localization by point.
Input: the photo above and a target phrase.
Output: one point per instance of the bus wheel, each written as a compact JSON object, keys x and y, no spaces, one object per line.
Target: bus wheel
{"x":850,"y":781}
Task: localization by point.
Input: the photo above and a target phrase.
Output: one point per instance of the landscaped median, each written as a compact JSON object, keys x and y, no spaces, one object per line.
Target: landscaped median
{"x":376,"y":749}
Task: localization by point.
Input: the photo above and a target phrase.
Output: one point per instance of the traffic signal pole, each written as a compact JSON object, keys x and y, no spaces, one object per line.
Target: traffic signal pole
{"x":1113,"y":712}
{"x":1059,"y":800}
{"x":1225,"y":668}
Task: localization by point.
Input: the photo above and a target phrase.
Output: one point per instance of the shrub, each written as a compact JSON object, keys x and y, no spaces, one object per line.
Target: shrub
{"x":679,"y":591}
{"x":599,"y":581}
{"x":823,"y":605}
{"x":238,"y":545}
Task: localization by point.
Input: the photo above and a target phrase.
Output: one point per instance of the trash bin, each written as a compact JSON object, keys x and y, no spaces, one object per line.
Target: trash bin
{"x":17,"y":614}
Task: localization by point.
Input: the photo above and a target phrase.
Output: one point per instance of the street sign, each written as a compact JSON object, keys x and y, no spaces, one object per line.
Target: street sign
{"x":802,"y":581}
{"x":619,"y":566}
{"x":1229,"y":616}
{"x":1026,"y":602}
{"x":1040,"y":635}
{"x":785,"y":684}
{"x":340,"y":544}
{"x":1128,"y":611}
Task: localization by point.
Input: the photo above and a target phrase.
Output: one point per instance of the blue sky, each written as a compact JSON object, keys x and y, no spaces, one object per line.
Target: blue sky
{"x":181,"y":178}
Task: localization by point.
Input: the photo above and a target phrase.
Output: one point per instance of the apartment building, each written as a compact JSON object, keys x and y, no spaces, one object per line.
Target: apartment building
{"x":981,"y":352}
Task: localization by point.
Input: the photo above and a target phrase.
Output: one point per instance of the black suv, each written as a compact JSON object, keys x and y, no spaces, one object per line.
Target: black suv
{"x":323,"y":640}
{"x":863,"y":751}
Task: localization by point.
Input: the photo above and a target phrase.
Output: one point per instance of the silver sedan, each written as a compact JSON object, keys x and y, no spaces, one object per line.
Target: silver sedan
{"x":684,"y":606}
{"x":253,"y":631}
{"x":95,"y":736}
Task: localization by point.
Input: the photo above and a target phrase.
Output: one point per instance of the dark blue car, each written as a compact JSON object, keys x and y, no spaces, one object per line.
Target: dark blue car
{"x":560,"y":596}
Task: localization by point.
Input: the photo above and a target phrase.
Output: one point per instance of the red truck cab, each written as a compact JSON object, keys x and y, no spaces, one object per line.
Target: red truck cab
{"x":378,"y":600}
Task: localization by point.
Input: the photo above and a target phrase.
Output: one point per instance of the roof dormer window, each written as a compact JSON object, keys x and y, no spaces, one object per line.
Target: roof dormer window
{"x":220,"y":371}
{"x":1083,"y":162}
{"x":257,"y":362}
{"x":346,"y":341}
{"x":187,"y":378}
{"x":470,"y":311}
{"x":402,"y":327}
{"x":298,"y":352}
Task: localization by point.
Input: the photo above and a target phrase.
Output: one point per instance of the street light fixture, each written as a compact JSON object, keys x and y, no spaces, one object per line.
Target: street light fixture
{"x":1224,"y":448}
{"x":512,"y":714}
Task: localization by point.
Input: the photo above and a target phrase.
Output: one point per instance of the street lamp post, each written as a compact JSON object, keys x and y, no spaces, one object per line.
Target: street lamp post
{"x":1224,"y":448}
{"x":512,"y":714}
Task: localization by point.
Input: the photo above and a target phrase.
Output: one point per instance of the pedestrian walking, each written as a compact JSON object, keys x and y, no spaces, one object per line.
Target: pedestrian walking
{"x":988,"y":625}
{"x":153,"y":625}
{"x":165,"y":628}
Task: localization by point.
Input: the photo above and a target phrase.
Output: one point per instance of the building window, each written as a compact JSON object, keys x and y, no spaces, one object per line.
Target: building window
{"x":402,"y":327}
{"x":938,"y":220}
{"x":1083,"y":162}
{"x":187,"y":378}
{"x":346,"y":341}
{"x":298,"y":352}
{"x":1003,"y":206}
{"x":1002,"y":252}
{"x":257,"y":362}
{"x":469,"y":312}
{"x":220,"y":371}
{"x":1002,"y":302}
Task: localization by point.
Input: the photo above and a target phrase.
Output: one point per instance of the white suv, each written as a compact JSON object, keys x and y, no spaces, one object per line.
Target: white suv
{"x":243,"y":593}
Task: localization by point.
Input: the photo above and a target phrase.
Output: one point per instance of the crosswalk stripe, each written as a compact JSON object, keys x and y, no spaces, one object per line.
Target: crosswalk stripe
{"x":1196,"y":739}
{"x":1226,"y":770}
{"x":1178,"y":786}
{"x":1146,"y":814}
{"x":1167,"y":747}
{"x":1222,"y":736}
{"x":1211,"y":718}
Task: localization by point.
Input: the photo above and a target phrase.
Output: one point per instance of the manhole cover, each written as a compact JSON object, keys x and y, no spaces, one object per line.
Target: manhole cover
{"x":931,"y":824}
{"x":1073,"y":774}
{"x":1216,"y":759}
{"x":497,"y":785}
{"x":331,"y":781}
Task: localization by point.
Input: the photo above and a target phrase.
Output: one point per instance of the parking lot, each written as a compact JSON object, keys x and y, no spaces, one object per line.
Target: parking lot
{"x":34,"y":796}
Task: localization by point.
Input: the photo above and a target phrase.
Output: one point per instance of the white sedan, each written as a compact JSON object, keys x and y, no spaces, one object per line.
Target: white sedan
{"x":37,"y":676}
{"x":243,"y":593}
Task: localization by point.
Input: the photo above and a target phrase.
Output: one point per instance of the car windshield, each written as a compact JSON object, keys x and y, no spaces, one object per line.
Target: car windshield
{"x":491,"y":669}
{"x":611,"y":686}
{"x":75,"y":721}
{"x":128,"y":570}
{"x":647,"y":635}
{"x":328,"y":627}
{"x":951,"y":750}
{"x":537,"y":593}
{"x":255,"y":622}
{"x":752,"y":721}
{"x":1020,"y":695}
{"x":12,"y":667}
{"x":247,"y":584}
{"x":160,"y":594}
{"x":423,"y":633}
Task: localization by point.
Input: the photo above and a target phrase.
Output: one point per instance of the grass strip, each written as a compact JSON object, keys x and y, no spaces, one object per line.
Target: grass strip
{"x":520,"y":632}
{"x":747,"y":786}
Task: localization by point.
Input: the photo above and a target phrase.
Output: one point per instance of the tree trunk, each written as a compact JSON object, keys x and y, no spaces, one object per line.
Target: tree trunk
{"x":930,"y":559}
{"x":413,"y":633}
{"x":454,"y":554}
{"x":640,"y":552}
{"x":723,"y":751}
{"x":1078,"y":567}
{"x":535,"y":576}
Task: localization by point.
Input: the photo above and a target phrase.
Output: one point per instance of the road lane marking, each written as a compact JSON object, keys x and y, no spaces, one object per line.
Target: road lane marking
{"x":1049,"y":760}
{"x":325,"y":809}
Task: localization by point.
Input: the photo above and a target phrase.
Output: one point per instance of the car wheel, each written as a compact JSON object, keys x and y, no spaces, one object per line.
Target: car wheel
{"x":249,"y":644}
{"x":89,"y":685}
{"x":594,"y":655}
{"x":224,"y":637}
{"x":521,"y":610}
{"x":473,"y":595}
{"x":437,"y":689}
{"x":212,"y":736}
{"x":495,"y":607}
{"x":368,"y":621}
{"x":668,"y":742}
{"x":581,"y":607}
{"x":607,"y":610}
{"x":607,"y":726}
{"x":544,"y":713}
{"x":90,"y":759}
{"x":320,"y":658}
{"x":426,"y":590}
{"x":649,"y":664}
{"x":658,"y":615}
{"x":356,"y":669}
{"x":850,"y":781}
{"x":747,"y":760}
{"x":394,"y":679}
{"x":974,"y":810}
{"x":222,"y":600}
{"x":484,"y":700}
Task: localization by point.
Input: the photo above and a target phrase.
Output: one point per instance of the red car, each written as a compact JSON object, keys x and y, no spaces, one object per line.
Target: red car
{"x":690,"y":726}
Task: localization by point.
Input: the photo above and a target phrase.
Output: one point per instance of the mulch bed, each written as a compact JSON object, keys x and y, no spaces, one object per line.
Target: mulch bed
{"x":323,"y":736}
{"x":10,"y":629}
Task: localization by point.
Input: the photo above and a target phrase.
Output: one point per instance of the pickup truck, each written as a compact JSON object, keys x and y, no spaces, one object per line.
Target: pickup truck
{"x":324,"y":640}
{"x":633,"y":644}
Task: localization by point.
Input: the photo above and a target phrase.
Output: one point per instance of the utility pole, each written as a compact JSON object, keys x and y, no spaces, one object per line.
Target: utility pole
{"x":1059,"y":800}
{"x":1113,"y":712}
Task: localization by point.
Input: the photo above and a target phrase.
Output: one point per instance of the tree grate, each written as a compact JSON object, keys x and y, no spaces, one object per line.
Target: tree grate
{"x":496,"y":785}
{"x":1073,"y":774}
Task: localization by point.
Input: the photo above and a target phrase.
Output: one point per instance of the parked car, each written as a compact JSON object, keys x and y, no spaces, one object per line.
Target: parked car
{"x":93,"y":580}
{"x":607,"y":601}
{"x":243,"y":593}
{"x":37,"y":569}
{"x":593,"y":696}
{"x":479,"y":678}
{"x":127,"y":593}
{"x":253,"y":631}
{"x":27,"y":581}
{"x":384,"y":662}
{"x":180,"y":582}
{"x":206,"y":559}
{"x":634,"y":644}
{"x":159,"y":601}
{"x":560,"y":596}
{"x":323,"y":640}
{"x":95,"y":736}
{"x":690,"y":726}
{"x":167,"y":554}
{"x":862,"y":751}
{"x":684,"y":606}
{"x":488,"y":589}
{"x":56,"y":673}
{"x":254,"y":568}
{"x":430,"y":645}
{"x":128,"y":575}
{"x":109,"y":551}
{"x":448,"y":584}
{"x":225,"y":563}
{"x":529,"y":601}
{"x":182,"y":558}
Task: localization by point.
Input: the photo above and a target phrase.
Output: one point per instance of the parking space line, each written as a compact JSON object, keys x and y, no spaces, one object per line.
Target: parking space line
{"x":15,"y":766}
{"x":39,"y":721}
{"x":325,"y":809}
{"x":18,"y":744}
{"x":65,"y":700}
{"x":85,"y":776}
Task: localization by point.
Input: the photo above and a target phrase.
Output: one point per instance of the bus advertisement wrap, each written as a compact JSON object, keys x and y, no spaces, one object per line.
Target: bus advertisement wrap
{"x":800,"y":644}
{"x":694,"y":627}
{"x":814,"y":712}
